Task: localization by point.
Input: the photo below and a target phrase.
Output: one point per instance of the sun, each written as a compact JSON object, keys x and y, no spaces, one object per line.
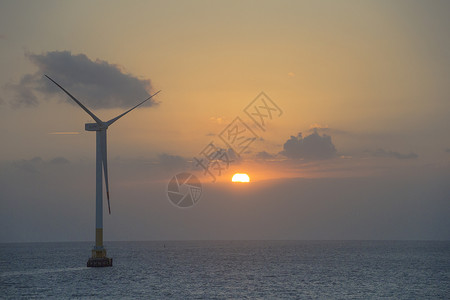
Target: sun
{"x":240,"y":177}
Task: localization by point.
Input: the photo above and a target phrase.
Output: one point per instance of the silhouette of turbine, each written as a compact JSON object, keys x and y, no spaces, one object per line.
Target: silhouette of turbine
{"x":99,"y":258}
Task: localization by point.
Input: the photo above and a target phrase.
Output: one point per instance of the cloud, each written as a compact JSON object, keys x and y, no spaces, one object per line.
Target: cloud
{"x":447,"y":150}
{"x":264,"y":155}
{"x":311,"y":147}
{"x":97,"y":84}
{"x":316,"y":127}
{"x":213,"y":152}
{"x":64,"y":133}
{"x":218,"y":120}
{"x":232,"y":156}
{"x":383,"y":153}
{"x":36,"y":163}
{"x":59,"y":161}
{"x":172,"y":161}
{"x":24,"y":91}
{"x":28,"y":165}
{"x":326,"y":207}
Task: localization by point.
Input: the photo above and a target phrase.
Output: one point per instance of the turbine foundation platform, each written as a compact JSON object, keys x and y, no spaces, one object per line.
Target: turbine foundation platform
{"x":99,"y":262}
{"x":99,"y":258}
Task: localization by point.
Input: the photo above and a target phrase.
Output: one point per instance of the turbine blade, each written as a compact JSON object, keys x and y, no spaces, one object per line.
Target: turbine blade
{"x":120,"y":116}
{"x":105,"y":164}
{"x":99,"y":122}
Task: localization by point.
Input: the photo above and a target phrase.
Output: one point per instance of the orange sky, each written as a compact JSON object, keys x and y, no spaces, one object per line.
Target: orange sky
{"x":366,"y":68}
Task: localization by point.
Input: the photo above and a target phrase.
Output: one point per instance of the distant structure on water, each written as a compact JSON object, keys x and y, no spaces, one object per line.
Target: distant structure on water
{"x":99,"y":258}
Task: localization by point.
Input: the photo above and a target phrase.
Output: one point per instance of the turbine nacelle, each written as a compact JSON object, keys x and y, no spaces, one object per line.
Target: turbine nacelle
{"x":95,"y":126}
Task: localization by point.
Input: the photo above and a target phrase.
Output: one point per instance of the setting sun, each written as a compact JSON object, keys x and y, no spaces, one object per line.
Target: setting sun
{"x":240,"y":177}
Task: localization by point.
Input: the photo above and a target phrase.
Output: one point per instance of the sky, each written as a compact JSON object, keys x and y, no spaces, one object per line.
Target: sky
{"x":345,"y":107}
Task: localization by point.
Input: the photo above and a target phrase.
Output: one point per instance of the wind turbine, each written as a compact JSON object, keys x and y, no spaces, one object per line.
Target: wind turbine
{"x":99,"y":258}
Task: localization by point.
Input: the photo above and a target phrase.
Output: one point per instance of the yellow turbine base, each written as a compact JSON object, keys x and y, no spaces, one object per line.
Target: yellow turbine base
{"x":99,"y":237}
{"x":98,"y":253}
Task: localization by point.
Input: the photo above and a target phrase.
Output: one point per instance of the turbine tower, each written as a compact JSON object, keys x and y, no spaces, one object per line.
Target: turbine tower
{"x":99,"y":258}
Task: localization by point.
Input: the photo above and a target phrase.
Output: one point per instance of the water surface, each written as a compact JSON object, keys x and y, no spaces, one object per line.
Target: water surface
{"x":230,"y":269}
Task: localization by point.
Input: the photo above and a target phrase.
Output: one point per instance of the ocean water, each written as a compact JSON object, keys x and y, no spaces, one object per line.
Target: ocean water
{"x":230,"y":270}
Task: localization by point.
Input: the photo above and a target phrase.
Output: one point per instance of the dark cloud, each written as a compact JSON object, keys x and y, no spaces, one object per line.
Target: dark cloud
{"x":232,"y":156}
{"x":383,"y":153}
{"x":447,"y":150}
{"x":97,"y":84}
{"x":311,"y":147}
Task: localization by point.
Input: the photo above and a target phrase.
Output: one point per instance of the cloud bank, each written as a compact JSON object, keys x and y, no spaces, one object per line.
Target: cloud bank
{"x":392,"y":154}
{"x":97,"y":84}
{"x":398,"y":203}
{"x":312,"y":147}
{"x":33,"y":165}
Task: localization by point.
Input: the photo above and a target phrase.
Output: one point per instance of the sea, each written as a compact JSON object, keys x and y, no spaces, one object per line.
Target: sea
{"x":229,"y":270}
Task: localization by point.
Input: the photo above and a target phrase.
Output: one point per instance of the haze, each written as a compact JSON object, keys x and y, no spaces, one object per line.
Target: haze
{"x":361,"y":149}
